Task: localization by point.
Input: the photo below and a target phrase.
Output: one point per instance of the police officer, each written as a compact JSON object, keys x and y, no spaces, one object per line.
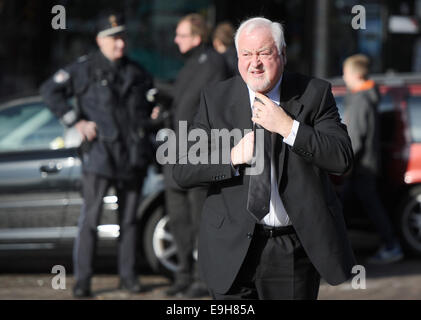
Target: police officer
{"x":111,"y":116}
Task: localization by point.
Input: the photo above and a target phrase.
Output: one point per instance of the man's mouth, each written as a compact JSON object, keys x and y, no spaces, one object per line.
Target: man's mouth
{"x":256,"y":73}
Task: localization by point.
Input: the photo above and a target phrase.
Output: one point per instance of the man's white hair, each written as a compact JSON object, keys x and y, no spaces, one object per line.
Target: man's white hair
{"x":254,"y":23}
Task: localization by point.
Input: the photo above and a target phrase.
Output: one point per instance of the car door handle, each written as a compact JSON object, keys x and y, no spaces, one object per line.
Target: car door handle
{"x":52,"y":167}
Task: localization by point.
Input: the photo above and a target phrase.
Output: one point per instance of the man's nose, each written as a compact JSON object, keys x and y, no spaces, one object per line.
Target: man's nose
{"x":121,"y":43}
{"x":256,"y":60}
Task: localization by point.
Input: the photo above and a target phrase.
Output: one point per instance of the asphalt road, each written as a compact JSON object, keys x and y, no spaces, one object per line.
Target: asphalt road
{"x":396,"y":281}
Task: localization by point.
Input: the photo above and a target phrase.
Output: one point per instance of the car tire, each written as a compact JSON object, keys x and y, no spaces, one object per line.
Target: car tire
{"x":158,"y":244}
{"x":409,"y":221}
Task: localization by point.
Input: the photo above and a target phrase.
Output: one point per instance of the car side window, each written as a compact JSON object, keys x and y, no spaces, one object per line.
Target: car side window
{"x":414,"y":109}
{"x":29,"y":126}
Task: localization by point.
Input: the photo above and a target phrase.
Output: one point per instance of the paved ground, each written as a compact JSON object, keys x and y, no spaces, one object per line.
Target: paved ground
{"x":396,"y":281}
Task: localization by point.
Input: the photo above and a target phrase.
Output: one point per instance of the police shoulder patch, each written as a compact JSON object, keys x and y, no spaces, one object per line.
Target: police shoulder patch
{"x":61,"y":76}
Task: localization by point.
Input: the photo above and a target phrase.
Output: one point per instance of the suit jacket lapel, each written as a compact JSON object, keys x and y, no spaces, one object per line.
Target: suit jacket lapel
{"x":292,"y":106}
{"x":288,"y":101}
{"x":290,"y":95}
{"x":241,"y":106}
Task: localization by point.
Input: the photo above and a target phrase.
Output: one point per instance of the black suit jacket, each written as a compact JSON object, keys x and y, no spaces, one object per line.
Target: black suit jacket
{"x":322,"y":146}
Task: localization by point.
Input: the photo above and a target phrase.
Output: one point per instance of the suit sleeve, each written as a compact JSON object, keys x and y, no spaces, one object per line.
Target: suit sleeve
{"x":187,"y":174}
{"x":325,"y":143}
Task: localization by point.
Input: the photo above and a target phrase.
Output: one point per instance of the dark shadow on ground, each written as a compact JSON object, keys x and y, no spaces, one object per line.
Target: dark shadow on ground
{"x":366,"y":243}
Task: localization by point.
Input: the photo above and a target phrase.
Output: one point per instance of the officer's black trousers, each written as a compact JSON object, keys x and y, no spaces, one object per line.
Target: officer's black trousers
{"x":94,"y":190}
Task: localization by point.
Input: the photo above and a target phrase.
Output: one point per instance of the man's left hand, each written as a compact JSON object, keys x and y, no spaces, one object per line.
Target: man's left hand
{"x":271,"y":117}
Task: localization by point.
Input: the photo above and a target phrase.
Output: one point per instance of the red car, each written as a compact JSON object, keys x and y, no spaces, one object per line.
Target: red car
{"x":400,"y":180}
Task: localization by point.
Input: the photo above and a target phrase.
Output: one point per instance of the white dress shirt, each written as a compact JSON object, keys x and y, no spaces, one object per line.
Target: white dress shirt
{"x":277,"y":215}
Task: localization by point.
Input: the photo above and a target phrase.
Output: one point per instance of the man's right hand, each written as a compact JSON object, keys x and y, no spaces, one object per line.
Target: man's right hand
{"x":87,"y":129}
{"x":243,"y":151}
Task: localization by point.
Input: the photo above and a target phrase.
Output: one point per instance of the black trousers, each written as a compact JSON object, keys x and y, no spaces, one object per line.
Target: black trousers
{"x":94,"y":189}
{"x":274,"y":268}
{"x":184,"y":208}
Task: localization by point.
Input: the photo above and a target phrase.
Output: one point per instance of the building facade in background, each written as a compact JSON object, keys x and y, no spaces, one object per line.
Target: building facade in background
{"x":319,"y":34}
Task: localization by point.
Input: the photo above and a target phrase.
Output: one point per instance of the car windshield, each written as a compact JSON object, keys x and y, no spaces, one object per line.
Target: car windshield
{"x":28,"y":127}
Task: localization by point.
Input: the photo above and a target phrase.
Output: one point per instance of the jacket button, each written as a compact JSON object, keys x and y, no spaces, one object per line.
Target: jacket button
{"x":249,"y":235}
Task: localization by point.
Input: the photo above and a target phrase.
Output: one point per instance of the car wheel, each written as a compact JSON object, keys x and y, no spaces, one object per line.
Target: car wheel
{"x":410,"y":221}
{"x":159,"y":245}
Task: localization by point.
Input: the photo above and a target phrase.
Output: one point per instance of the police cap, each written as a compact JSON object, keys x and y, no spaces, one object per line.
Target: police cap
{"x":110,"y":24}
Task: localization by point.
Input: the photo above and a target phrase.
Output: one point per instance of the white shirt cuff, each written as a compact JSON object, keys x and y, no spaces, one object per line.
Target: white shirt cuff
{"x":293,"y":134}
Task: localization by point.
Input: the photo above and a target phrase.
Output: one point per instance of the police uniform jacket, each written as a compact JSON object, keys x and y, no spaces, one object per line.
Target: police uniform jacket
{"x":113,"y":95}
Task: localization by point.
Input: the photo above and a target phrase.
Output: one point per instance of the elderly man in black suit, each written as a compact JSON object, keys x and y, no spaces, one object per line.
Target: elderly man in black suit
{"x":271,"y":235}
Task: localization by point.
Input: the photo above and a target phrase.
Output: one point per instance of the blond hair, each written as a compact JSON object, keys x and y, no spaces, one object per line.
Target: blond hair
{"x":198,"y":25}
{"x":225,"y":33}
{"x":359,"y":63}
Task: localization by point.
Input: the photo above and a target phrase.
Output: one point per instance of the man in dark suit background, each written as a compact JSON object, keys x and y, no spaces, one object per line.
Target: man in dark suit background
{"x":202,"y":66}
{"x":278,"y":249}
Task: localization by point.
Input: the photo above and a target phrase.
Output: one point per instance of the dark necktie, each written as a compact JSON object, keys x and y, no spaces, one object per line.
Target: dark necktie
{"x":259,"y":187}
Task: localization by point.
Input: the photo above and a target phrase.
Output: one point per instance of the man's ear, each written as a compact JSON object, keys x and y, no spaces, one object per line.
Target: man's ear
{"x":197,"y":40}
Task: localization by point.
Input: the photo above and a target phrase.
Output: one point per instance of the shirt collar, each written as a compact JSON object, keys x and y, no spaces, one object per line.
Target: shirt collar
{"x":274,"y":94}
